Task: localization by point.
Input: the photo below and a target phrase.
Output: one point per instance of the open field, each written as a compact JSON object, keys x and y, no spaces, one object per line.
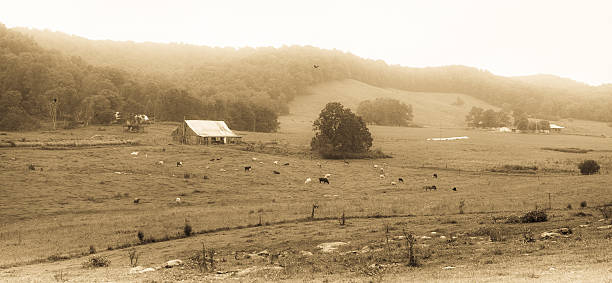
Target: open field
{"x":84,"y":197}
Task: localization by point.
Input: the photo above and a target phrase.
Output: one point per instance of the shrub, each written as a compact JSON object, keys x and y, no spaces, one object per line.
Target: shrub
{"x":495,"y":234}
{"x":187,"y":229}
{"x":569,"y":206}
{"x":606,"y":211}
{"x":588,"y":167}
{"x":140,"y":236}
{"x":513,"y":219}
{"x":92,"y":250}
{"x":534,"y":216}
{"x":583,"y":204}
{"x":97,"y":261}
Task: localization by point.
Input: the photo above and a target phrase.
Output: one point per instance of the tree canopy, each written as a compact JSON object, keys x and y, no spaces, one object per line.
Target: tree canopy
{"x":339,"y":132}
{"x":385,"y":112}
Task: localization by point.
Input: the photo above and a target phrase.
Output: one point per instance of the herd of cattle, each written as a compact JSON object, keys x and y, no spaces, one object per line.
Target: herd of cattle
{"x":324,"y":179}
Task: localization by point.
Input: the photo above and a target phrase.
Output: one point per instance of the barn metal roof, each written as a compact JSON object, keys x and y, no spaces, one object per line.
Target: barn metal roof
{"x":207,"y":128}
{"x":554,"y":126}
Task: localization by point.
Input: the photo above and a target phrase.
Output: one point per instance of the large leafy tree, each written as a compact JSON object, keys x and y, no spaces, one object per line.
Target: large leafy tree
{"x":339,"y":132}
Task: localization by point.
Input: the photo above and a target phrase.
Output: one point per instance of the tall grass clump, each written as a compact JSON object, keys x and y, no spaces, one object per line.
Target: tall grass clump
{"x":534,"y":216}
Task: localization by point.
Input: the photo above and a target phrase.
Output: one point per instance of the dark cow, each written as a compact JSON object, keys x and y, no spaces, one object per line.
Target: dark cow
{"x":401,"y":180}
{"x":31,"y":167}
{"x":454,"y":189}
{"x":179,"y":164}
{"x":212,"y":159}
{"x":435,"y":175}
{"x":247,"y":168}
{"x":136,"y":200}
{"x":323,"y":180}
{"x":276,"y":172}
{"x":429,"y":188}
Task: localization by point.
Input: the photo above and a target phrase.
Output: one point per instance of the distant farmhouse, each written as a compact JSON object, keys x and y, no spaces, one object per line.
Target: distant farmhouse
{"x":204,"y":132}
{"x":556,"y":128}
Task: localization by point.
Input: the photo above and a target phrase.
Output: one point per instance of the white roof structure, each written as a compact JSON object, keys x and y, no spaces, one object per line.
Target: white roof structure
{"x":554,"y":126}
{"x":207,"y":128}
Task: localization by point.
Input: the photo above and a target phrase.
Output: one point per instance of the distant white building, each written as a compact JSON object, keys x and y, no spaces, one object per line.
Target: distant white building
{"x":556,"y":128}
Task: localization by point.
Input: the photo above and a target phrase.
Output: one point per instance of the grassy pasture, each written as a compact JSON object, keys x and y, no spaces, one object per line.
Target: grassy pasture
{"x":80,"y":199}
{"x":84,"y":196}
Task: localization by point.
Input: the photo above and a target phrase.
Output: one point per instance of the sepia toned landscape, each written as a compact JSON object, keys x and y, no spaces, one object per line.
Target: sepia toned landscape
{"x":336,"y":167}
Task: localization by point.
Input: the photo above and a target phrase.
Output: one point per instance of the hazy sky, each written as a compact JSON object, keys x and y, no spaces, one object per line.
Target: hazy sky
{"x":566,"y":38}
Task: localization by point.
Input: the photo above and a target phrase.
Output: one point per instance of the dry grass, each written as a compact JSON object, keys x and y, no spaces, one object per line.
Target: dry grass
{"x":84,"y":196}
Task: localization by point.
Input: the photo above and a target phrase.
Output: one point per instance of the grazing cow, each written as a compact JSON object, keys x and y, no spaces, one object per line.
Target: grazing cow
{"x":178,"y":200}
{"x":393,"y":183}
{"x":212,"y":159}
{"x":327,"y":175}
{"x":163,"y":149}
{"x":323,"y":180}
{"x":161,"y":162}
{"x":179,"y":164}
{"x":455,"y":189}
{"x":247,"y":168}
{"x":319,"y":164}
{"x":275,"y":162}
{"x":205,"y":177}
{"x":31,"y":167}
{"x":435,"y":175}
{"x":286,"y":164}
{"x":382,"y":170}
{"x":136,"y":200}
{"x":254,"y":158}
{"x":375,"y":166}
{"x":276,"y":172}
{"x":401,"y":180}
{"x":429,"y":188}
{"x":382,"y":176}
{"x":134,"y":153}
{"x":346,"y":163}
{"x":308,"y":180}
{"x":219,"y":158}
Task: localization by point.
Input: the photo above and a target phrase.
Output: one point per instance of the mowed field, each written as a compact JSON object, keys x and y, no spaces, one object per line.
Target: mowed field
{"x":83,"y":197}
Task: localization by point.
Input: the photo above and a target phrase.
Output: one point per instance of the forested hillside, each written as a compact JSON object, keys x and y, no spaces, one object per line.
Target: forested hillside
{"x":249,"y":85}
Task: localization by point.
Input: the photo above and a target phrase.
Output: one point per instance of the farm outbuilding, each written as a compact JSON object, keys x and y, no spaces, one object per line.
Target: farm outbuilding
{"x":204,"y":132}
{"x":556,"y":128}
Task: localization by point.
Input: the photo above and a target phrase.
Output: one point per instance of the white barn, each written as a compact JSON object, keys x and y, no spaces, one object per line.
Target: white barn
{"x":204,"y":132}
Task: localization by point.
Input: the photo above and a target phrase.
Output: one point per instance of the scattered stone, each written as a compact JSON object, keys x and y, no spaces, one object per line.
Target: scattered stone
{"x":584,"y":225}
{"x":549,"y":235}
{"x":173,"y":263}
{"x":442,"y":237}
{"x":330,"y":247}
{"x":448,"y":267}
{"x":365,"y":249}
{"x":136,"y":269}
{"x":605,"y":227}
{"x":305,"y":253}
{"x":425,"y":237}
{"x":263,"y":253}
{"x":433,"y":233}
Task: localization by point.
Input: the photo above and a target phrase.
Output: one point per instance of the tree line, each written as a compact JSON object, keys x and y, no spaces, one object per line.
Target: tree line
{"x":141,"y":77}
{"x":34,"y":82}
{"x":385,"y":112}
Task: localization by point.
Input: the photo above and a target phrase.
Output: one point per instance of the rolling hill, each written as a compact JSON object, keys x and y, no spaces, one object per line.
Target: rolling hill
{"x":429,"y":109}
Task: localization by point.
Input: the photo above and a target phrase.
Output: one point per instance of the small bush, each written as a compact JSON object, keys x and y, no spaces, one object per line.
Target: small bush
{"x":97,"y":261}
{"x":133,"y":254}
{"x":92,"y":250}
{"x":582,"y":214}
{"x":513,"y":219}
{"x":187,"y":229}
{"x":588,"y":167}
{"x":495,"y":234}
{"x":534,"y":216}
{"x":569,"y":206}
{"x":140,"y":236}
{"x":583,"y":204}
{"x":606,"y":211}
